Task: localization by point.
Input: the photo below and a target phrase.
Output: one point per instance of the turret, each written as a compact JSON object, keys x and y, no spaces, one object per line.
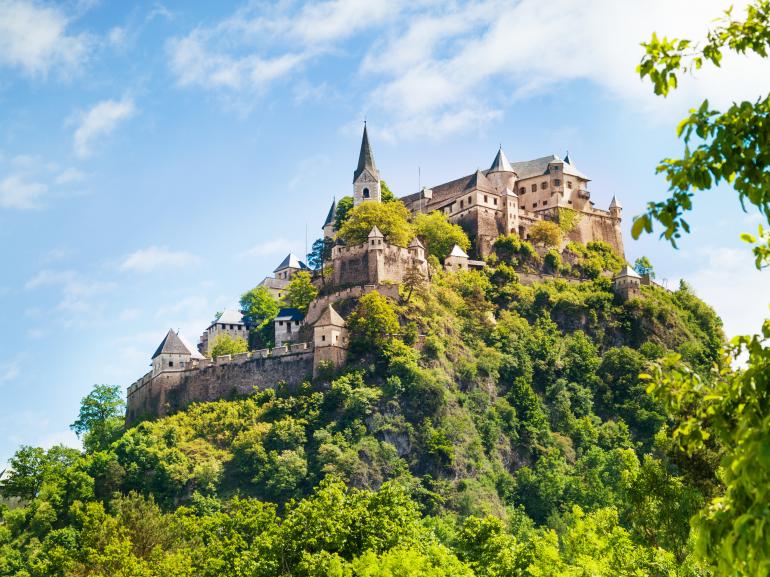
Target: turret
{"x":376,"y":239}
{"x":501,"y":172}
{"x":366,"y":177}
{"x":328,"y":226}
{"x":616,"y":209}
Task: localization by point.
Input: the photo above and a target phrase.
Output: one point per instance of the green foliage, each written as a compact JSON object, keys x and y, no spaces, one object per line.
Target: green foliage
{"x":224,"y":344}
{"x":439,"y":235}
{"x":100,"y":420}
{"x":300,"y":291}
{"x":643,"y":266}
{"x":391,"y":218}
{"x":386,"y":195}
{"x":546,"y":233}
{"x":258,"y":307}
{"x":568,"y":219}
{"x":373,"y":322}
{"x":344,"y":206}
{"x":320,"y":253}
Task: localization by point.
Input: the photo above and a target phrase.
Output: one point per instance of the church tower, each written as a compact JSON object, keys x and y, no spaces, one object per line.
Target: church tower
{"x":366,"y":178}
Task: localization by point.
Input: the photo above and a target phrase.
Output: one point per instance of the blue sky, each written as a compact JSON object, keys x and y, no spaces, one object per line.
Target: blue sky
{"x":157,"y":160}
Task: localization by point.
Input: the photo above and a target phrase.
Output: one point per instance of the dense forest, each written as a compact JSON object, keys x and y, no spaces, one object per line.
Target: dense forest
{"x":481,"y":427}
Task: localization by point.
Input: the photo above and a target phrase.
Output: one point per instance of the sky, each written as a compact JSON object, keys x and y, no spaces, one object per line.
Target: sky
{"x":159,"y":159}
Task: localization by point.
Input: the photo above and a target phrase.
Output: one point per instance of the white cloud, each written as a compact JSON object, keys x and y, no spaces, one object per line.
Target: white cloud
{"x":9,"y":370}
{"x":149,"y":259}
{"x":99,"y":121}
{"x":35,"y":38}
{"x":275,"y":246}
{"x":19,"y":193}
{"x":70,"y":176}
{"x":78,"y":293}
{"x":117,"y":36}
{"x":727,"y":280}
{"x":257,"y":46}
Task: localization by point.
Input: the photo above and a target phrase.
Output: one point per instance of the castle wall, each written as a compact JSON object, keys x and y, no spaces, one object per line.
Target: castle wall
{"x":599,"y":225}
{"x":361,"y":265}
{"x":318,"y":306}
{"x":220,"y":379}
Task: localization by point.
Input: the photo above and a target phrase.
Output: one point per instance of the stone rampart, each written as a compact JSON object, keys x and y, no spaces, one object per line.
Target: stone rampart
{"x":222,"y":378}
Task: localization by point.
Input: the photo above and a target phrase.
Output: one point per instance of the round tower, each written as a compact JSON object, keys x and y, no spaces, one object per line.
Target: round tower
{"x":501,"y":173}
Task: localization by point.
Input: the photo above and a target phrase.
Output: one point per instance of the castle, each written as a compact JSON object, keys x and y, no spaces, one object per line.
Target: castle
{"x":506,"y":198}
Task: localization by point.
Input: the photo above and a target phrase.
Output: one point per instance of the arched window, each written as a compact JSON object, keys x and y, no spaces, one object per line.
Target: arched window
{"x":366,"y":193}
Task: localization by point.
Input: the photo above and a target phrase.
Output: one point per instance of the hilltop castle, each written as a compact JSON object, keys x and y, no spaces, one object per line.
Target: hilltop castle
{"x":506,"y":198}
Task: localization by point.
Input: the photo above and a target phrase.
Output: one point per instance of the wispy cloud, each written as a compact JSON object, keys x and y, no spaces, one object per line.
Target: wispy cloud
{"x":77,"y":292}
{"x":35,"y":38}
{"x":9,"y":370}
{"x":19,"y":193}
{"x":99,"y":121}
{"x":276,"y":246}
{"x":152,"y":258}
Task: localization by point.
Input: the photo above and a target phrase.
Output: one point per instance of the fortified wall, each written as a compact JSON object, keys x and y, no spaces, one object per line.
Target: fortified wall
{"x":224,"y":377}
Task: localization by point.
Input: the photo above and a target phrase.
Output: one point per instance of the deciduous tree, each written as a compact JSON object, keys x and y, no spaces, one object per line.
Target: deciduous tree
{"x":392,"y":219}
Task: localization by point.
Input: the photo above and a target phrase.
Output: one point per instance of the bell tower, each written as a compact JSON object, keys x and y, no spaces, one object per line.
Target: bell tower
{"x":366,"y":178}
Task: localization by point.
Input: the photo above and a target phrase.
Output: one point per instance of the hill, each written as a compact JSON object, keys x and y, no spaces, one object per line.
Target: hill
{"x":480,"y":427}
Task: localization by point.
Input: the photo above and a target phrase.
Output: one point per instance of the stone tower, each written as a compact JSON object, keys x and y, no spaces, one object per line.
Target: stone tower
{"x":501,"y":173}
{"x":616,"y":210}
{"x":366,"y":178}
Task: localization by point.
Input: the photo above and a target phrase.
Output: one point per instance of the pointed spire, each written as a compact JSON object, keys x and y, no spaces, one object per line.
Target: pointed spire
{"x":332,"y":212}
{"x":615,"y":203}
{"x":567,"y":158}
{"x":500,"y":163}
{"x":365,"y":157}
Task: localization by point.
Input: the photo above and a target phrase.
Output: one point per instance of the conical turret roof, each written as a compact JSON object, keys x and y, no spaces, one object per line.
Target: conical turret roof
{"x":365,"y":157}
{"x":500,"y":163}
{"x":332,"y":212}
{"x":615,"y":203}
{"x":171,"y":344}
{"x":375,"y":233}
{"x":330,"y":317}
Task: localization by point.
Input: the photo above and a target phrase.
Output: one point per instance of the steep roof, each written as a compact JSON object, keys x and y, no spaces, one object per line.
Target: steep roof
{"x":289,"y":314}
{"x":479,"y":181}
{"x":171,"y":344}
{"x":627,"y":271}
{"x":500,"y":163}
{"x":615,"y":203}
{"x":330,"y":217}
{"x":330,"y":317}
{"x":365,"y":157}
{"x":416,"y":243}
{"x":457,"y":251}
{"x":291,"y":261}
{"x":231,"y":317}
{"x":375,"y":233}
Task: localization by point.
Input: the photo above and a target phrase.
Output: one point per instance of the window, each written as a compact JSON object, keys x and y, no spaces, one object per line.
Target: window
{"x":534,"y":188}
{"x":545,"y":203}
{"x":534,"y":204}
{"x":556,"y":169}
{"x":288,"y":327}
{"x":323,"y":337}
{"x":557,"y":182}
{"x":522,"y":190}
{"x":366,"y":193}
{"x":486,"y":198}
{"x":569,"y":184}
{"x":569,"y":201}
{"x":495,"y":201}
{"x":171,"y":363}
{"x":461,"y":203}
{"x":543,"y":185}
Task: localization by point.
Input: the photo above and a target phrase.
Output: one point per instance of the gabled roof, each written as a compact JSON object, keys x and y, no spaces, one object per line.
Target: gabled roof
{"x":627,"y":271}
{"x":375,"y":233}
{"x":479,"y":181}
{"x":365,"y":158}
{"x":291,"y":261}
{"x":289,"y":314}
{"x":330,"y":217}
{"x":500,"y":163}
{"x":171,"y":344}
{"x":457,"y":251}
{"x":330,"y":317}
{"x":274,"y":283}
{"x":230,"y":317}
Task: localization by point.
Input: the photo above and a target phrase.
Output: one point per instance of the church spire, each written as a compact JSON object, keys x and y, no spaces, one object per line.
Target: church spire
{"x":365,"y":158}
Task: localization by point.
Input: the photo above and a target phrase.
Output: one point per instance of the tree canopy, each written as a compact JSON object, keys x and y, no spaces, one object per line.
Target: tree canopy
{"x":300,"y":291}
{"x":224,"y":344}
{"x":100,"y":419}
{"x":439,"y":235}
{"x":391,"y":218}
{"x":258,"y":307}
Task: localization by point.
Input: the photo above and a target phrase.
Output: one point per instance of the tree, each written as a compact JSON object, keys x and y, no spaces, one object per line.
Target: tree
{"x":101,"y":417}
{"x":300,"y":292}
{"x":386,"y":195}
{"x":546,"y":233}
{"x":373,"y":321}
{"x":344,"y":206}
{"x":731,"y":407}
{"x":258,"y":307}
{"x":643,"y":266}
{"x":391,"y":218}
{"x":224,"y":344}
{"x":320,"y":254}
{"x":413,"y":279}
{"x":439,"y":235}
